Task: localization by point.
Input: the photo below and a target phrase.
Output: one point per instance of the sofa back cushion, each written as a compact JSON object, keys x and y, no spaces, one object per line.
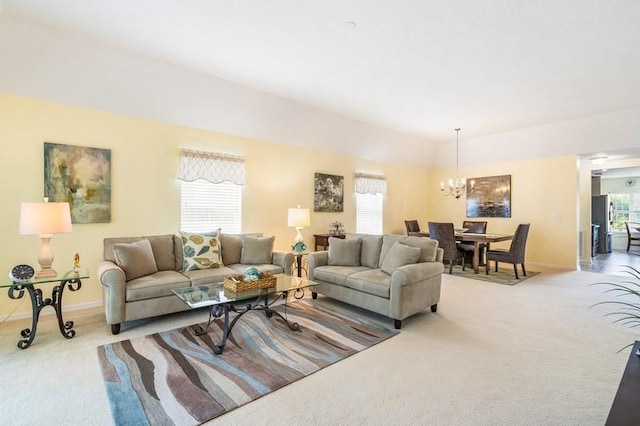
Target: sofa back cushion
{"x":388,"y":240}
{"x":232,"y":246}
{"x":163,"y":251}
{"x":344,"y":252}
{"x":428,"y":247}
{"x":370,"y":249}
{"x":135,"y":258}
{"x":399,"y":255}
{"x":256,"y":250}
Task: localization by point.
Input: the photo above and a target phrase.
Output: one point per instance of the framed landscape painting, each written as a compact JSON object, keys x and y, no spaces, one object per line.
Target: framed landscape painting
{"x":80,"y":176}
{"x":490,"y":197}
{"x":328,"y":193}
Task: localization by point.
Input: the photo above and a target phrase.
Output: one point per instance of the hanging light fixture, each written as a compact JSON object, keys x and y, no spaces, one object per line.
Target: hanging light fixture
{"x":458,"y":187}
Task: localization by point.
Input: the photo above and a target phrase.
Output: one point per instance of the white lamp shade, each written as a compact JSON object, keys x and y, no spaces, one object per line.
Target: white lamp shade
{"x":298,"y":217}
{"x":44,"y":218}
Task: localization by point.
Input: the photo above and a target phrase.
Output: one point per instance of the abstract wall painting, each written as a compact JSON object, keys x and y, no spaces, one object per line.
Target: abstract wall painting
{"x":80,"y":176}
{"x":490,"y":197}
{"x":328,"y":193}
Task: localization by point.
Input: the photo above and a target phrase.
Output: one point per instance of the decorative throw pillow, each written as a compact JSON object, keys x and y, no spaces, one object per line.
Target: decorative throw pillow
{"x":399,"y":255}
{"x":200,"y":251}
{"x":344,"y":252}
{"x":136,"y":259}
{"x":256,"y":250}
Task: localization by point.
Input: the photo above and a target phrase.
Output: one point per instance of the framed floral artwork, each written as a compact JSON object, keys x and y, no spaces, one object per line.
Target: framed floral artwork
{"x":328,"y":193}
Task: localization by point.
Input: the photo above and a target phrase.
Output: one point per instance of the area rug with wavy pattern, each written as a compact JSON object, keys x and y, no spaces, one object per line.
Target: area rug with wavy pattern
{"x":504,"y":275}
{"x":173,"y":377}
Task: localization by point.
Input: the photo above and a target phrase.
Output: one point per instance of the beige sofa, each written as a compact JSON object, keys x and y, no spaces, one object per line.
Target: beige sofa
{"x":138,"y":273}
{"x":393,"y":275}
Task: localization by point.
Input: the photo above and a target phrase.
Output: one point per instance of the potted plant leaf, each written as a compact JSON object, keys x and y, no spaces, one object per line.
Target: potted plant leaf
{"x":628,"y":307}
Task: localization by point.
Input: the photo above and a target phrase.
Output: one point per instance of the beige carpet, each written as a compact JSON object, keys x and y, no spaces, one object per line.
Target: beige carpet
{"x":535,"y":353}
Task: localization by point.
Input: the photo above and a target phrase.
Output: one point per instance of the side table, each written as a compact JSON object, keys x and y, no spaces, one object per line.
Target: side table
{"x":300,"y":263}
{"x":71,"y":279}
{"x":322,"y":240}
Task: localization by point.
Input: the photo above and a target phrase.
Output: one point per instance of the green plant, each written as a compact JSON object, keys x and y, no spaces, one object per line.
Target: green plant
{"x":629,"y":311}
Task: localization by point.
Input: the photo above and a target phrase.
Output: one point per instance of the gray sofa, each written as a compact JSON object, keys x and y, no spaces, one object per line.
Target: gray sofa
{"x":138,"y":273}
{"x":393,"y":275}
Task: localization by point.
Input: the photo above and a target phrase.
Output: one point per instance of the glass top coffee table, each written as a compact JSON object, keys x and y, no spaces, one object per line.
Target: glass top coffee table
{"x":221,"y":301}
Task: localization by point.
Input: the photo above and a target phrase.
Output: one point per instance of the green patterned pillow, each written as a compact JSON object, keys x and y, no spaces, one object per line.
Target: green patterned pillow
{"x":200,"y":251}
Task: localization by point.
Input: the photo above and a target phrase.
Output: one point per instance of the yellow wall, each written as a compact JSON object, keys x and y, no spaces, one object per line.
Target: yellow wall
{"x":543,"y":193}
{"x":146,"y":194}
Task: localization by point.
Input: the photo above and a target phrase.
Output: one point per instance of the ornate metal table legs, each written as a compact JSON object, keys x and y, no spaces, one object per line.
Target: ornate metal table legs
{"x":37,"y":303}
{"x":261,"y":303}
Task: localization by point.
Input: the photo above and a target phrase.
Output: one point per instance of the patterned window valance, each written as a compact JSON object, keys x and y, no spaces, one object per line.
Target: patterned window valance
{"x":213,"y":167}
{"x":371,"y":184}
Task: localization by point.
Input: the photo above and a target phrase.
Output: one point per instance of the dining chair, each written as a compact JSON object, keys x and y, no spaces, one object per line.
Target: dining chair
{"x":445,"y":234}
{"x":412,"y":226}
{"x":633,"y":234}
{"x":475,"y":227}
{"x":515,"y":254}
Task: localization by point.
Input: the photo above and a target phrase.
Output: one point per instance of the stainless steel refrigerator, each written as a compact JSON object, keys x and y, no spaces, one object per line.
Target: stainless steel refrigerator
{"x":602,"y":214}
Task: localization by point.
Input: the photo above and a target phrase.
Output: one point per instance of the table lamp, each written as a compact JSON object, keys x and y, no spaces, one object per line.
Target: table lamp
{"x":45,"y":219}
{"x":299,"y":218}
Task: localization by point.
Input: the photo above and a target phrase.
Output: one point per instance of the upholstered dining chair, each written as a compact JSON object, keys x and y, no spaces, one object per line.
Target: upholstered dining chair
{"x":412,"y":226}
{"x":633,"y":234}
{"x":445,"y":234}
{"x":475,"y":227}
{"x":515,"y":254}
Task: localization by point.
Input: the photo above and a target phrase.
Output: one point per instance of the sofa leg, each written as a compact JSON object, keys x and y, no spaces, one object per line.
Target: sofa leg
{"x":314,"y":295}
{"x":115,"y":328}
{"x":434,"y":308}
{"x":397,"y":324}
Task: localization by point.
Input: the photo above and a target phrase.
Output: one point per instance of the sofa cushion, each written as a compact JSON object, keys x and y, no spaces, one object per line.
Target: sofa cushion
{"x":428,"y":247}
{"x":136,"y":258}
{"x":155,"y":285}
{"x":163,"y":251}
{"x":268,"y":268}
{"x":370,"y":250}
{"x":344,"y":252}
{"x":232,"y":246}
{"x":371,"y":281}
{"x":388,"y":240}
{"x":209,"y":276}
{"x":256,"y":250}
{"x":399,"y":255}
{"x":336,"y":274}
{"x":200,"y":251}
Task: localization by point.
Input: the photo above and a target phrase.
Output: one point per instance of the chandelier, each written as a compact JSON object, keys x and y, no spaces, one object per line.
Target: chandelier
{"x":458,"y":187}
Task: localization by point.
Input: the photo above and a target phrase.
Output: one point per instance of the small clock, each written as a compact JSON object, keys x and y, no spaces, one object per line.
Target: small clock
{"x":630,"y":182}
{"x":21,"y":273}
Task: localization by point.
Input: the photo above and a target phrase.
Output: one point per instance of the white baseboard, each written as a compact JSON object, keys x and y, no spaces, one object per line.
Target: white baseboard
{"x":532,"y":266}
{"x":49,"y":312}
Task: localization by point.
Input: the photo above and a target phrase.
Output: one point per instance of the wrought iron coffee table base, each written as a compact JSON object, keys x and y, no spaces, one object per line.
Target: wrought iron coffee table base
{"x":37,"y":303}
{"x":261,"y":303}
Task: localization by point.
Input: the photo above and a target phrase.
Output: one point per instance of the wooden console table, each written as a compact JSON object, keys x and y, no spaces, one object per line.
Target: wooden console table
{"x":322,"y":240}
{"x":624,"y":410}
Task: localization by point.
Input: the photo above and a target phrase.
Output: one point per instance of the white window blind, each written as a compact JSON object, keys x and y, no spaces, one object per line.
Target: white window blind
{"x":211,"y":191}
{"x":208,"y":206}
{"x":370,"y":192}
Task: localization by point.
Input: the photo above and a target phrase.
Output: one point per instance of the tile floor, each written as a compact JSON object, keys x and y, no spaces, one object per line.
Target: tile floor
{"x":612,"y":263}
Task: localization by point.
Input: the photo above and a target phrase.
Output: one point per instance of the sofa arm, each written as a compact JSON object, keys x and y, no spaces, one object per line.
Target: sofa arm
{"x":316,"y":259}
{"x":415,"y":287}
{"x":284,"y":260}
{"x":113,"y":282}
{"x":439,"y":254}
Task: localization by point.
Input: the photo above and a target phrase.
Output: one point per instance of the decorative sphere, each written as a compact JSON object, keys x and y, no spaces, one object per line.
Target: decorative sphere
{"x":251,"y":274}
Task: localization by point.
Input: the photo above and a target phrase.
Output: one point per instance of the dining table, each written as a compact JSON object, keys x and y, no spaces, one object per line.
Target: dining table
{"x":477,"y":240}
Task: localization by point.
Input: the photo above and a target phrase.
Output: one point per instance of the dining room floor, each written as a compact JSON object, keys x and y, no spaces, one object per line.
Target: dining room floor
{"x":614,"y":262}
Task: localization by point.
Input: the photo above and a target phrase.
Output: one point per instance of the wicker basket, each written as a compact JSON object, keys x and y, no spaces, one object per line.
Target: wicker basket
{"x":240,"y":284}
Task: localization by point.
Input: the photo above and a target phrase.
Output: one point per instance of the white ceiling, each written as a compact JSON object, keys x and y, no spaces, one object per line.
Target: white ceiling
{"x":421,"y":67}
